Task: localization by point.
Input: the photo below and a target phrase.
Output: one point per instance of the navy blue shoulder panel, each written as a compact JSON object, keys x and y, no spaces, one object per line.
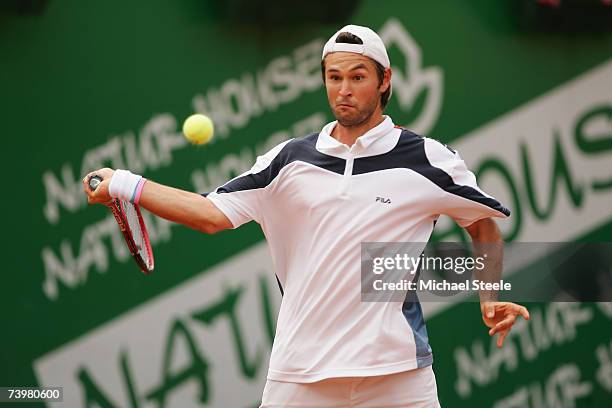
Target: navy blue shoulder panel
{"x":403,"y":155}
{"x":409,"y":153}
{"x":302,"y":149}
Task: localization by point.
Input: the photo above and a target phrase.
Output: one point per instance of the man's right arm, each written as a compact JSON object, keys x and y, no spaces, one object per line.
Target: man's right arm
{"x":183,"y":207}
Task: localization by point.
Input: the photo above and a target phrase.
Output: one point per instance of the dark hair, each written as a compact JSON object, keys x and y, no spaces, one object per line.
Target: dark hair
{"x":348,"y":38}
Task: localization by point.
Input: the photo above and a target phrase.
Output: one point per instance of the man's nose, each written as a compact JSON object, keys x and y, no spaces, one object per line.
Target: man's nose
{"x":345,"y":88}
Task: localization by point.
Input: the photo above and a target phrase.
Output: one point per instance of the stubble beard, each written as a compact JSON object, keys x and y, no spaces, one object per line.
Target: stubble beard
{"x":359,"y":117}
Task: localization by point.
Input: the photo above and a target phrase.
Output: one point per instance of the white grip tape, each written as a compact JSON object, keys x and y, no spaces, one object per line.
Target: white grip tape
{"x":123,"y":185}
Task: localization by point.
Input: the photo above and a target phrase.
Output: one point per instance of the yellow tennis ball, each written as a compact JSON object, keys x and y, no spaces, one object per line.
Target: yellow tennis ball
{"x":198,"y":129}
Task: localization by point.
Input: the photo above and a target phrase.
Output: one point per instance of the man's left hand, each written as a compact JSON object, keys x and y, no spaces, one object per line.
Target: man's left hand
{"x":501,"y":316}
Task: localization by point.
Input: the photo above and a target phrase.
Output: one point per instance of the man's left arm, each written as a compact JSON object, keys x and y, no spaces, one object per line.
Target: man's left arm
{"x":498,"y":316}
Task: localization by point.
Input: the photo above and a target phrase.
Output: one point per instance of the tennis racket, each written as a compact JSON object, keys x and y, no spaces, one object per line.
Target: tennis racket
{"x":132,"y":225}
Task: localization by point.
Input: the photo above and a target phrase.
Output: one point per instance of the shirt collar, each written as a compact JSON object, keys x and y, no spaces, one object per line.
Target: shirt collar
{"x":380,"y":139}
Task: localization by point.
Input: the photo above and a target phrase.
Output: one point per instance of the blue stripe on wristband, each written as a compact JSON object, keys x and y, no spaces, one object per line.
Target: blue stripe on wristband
{"x":133,"y":198}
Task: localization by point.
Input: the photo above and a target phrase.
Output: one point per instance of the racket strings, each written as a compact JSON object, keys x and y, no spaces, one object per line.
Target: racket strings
{"x":138,"y":235}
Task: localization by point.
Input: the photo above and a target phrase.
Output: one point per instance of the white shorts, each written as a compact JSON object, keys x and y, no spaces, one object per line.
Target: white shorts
{"x":413,"y":389}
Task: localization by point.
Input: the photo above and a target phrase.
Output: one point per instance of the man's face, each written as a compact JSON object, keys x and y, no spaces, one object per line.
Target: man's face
{"x":352,"y":86}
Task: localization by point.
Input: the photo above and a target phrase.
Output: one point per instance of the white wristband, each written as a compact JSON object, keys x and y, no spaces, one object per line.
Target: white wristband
{"x":123,"y":185}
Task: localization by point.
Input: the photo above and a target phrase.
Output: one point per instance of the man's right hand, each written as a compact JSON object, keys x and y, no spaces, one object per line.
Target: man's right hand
{"x":100,"y":194}
{"x":173,"y":204}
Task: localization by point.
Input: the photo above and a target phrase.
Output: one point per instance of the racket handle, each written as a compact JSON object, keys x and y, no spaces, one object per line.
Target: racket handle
{"x":94,"y":182}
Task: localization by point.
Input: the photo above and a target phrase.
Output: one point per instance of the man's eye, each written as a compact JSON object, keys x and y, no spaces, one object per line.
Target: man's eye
{"x":358,"y":77}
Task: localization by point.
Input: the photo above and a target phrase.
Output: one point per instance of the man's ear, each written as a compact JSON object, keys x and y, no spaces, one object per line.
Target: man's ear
{"x":386,"y":80}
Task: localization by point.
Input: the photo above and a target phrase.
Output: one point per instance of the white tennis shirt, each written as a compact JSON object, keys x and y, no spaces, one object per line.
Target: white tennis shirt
{"x":316,"y":201}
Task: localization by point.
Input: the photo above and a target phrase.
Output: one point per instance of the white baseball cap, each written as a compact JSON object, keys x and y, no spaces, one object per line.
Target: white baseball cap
{"x":372,"y":46}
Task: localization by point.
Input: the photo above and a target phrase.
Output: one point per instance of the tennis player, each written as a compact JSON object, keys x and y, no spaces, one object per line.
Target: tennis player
{"x":317,"y":198}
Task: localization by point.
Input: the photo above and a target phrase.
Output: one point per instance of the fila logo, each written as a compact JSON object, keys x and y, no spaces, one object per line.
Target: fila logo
{"x":383,"y":200}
